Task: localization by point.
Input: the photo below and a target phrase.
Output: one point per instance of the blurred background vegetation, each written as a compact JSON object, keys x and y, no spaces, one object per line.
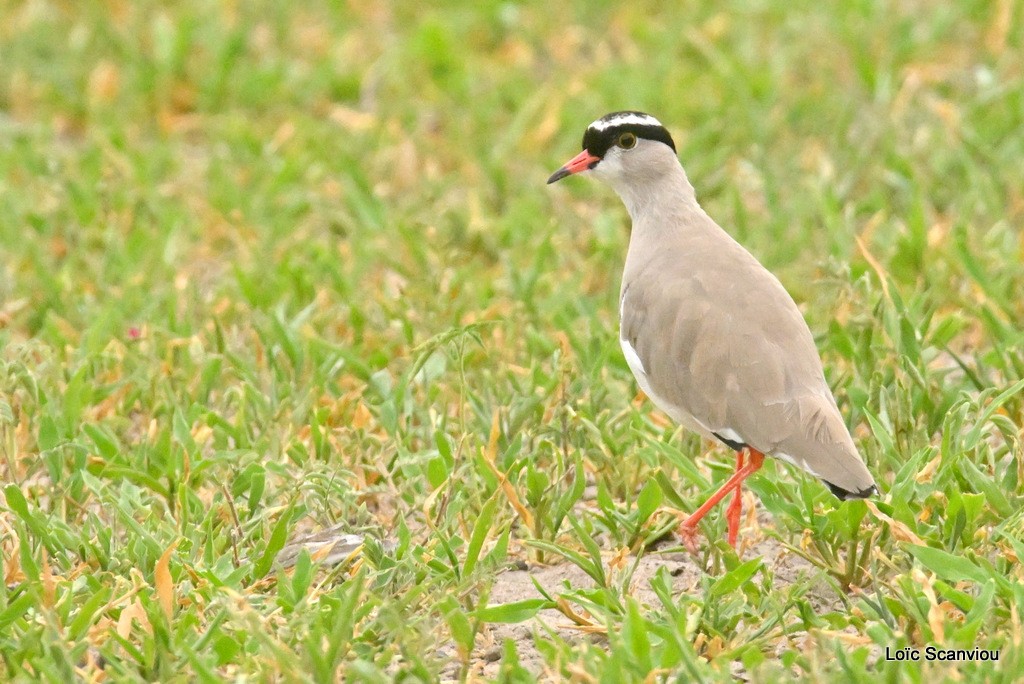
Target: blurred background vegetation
{"x":271,"y":268}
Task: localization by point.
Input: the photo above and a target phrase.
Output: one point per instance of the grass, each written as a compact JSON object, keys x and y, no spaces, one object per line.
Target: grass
{"x":268,"y":270}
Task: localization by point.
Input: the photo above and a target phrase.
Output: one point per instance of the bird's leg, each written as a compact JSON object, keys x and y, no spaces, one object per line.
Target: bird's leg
{"x":688,"y":528}
{"x":732,"y":514}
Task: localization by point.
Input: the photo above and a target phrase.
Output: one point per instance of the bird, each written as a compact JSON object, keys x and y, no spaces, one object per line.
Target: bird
{"x":712,"y":337}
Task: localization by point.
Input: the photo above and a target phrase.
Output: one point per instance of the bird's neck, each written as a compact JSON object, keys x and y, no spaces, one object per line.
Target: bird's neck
{"x":667,"y":194}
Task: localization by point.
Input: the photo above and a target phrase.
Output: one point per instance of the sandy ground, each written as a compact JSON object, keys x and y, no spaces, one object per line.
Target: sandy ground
{"x":334,"y":545}
{"x":517,"y":585}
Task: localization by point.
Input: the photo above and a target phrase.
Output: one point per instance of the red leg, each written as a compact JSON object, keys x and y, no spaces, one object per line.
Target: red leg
{"x":732,"y":515}
{"x":688,"y":528}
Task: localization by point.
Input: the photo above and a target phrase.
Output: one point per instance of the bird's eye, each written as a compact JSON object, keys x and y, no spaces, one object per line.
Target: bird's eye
{"x":627,"y":141}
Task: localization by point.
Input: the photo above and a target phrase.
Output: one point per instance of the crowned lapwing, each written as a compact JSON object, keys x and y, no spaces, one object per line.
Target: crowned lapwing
{"x":711,"y":336}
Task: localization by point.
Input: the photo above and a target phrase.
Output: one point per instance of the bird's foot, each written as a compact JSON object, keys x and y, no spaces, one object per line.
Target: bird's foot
{"x":688,"y":535}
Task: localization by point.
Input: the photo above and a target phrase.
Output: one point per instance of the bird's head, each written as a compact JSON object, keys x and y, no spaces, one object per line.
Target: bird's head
{"x":623,"y":149}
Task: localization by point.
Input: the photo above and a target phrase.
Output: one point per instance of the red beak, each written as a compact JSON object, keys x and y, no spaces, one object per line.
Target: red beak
{"x":581,"y":162}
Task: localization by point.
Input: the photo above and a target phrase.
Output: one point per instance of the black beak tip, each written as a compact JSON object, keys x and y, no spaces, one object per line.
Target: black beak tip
{"x":558,"y":175}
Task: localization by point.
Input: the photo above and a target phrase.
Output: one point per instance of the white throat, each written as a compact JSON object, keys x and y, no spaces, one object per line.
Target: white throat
{"x":660,"y":190}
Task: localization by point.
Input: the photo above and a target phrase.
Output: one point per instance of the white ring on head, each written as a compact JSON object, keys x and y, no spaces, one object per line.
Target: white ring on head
{"x":622,"y":119}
